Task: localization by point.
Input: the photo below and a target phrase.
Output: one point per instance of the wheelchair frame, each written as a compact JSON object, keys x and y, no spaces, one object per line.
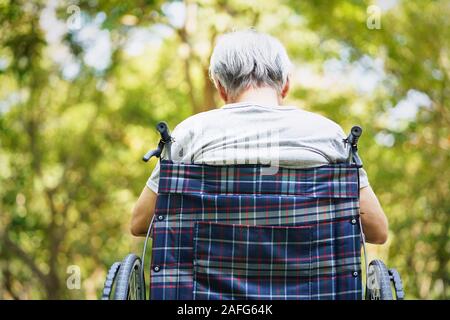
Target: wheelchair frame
{"x":126,"y":280}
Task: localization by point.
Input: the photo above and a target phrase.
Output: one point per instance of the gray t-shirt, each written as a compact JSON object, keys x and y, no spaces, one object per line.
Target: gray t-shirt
{"x":245,"y":133}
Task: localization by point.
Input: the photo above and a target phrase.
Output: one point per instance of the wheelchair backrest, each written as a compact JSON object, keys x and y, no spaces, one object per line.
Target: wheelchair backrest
{"x":233,"y":232}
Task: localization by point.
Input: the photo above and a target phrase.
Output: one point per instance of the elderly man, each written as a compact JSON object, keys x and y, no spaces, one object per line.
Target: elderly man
{"x":251,"y":73}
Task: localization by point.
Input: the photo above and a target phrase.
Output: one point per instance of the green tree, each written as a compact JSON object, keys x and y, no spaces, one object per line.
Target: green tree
{"x":71,"y":141}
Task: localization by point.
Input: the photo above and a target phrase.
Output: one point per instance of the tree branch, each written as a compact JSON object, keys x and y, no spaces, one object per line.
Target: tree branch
{"x":22,"y":255}
{"x":8,"y":283}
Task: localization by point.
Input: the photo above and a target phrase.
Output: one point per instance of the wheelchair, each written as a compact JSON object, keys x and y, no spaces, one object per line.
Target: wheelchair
{"x":233,"y":232}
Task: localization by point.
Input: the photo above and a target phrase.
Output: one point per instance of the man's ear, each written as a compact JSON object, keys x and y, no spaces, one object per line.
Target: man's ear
{"x":222,"y":91}
{"x":285,"y":89}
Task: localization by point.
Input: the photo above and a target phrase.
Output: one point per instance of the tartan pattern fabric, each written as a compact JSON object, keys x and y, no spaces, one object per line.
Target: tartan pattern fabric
{"x":262,"y":262}
{"x":211,"y":221}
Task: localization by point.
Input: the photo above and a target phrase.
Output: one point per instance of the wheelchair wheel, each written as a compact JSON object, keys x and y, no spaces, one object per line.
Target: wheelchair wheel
{"x":110,"y":281}
{"x":378,"y":282}
{"x":398,"y":284}
{"x":130,"y":285}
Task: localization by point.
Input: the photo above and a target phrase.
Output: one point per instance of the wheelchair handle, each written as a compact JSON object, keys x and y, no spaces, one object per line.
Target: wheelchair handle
{"x":354,"y":135}
{"x":152,"y":153}
{"x":352,"y":139}
{"x":164,"y":131}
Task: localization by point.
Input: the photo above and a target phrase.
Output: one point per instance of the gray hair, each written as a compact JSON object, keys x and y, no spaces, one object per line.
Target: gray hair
{"x":244,"y":59}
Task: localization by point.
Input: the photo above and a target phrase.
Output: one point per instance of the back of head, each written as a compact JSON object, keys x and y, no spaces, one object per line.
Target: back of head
{"x":244,"y":59}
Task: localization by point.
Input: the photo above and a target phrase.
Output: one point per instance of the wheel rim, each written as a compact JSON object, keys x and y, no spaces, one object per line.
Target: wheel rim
{"x":379,"y":282}
{"x":134,"y":290}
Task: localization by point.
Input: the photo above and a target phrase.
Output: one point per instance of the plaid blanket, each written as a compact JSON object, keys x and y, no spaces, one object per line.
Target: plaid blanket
{"x":230,"y":232}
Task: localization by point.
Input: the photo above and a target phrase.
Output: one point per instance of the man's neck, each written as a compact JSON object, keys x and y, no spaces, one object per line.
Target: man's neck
{"x":264,"y":96}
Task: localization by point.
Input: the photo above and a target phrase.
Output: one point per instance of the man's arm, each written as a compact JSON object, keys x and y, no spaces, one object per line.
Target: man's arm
{"x":143,"y":212}
{"x":373,"y":219}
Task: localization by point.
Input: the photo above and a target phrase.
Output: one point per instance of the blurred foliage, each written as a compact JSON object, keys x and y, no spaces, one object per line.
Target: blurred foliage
{"x":71,"y":142}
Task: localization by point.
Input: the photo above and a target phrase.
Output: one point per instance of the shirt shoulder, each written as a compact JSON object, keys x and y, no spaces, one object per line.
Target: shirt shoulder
{"x":195,"y":121}
{"x":301,"y":121}
{"x":319,"y":120}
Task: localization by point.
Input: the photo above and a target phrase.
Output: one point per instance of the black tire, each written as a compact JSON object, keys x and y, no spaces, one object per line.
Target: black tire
{"x":110,"y":281}
{"x":130,"y":285}
{"x":378,"y":285}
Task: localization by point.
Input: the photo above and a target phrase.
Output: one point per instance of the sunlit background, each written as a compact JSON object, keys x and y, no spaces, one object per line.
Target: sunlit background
{"x":83,"y":83}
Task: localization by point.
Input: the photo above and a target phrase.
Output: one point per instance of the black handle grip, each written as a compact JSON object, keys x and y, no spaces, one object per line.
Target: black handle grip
{"x":352,"y":139}
{"x":356,"y":131}
{"x":152,"y":153}
{"x":163,"y":129}
{"x":354,"y":135}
